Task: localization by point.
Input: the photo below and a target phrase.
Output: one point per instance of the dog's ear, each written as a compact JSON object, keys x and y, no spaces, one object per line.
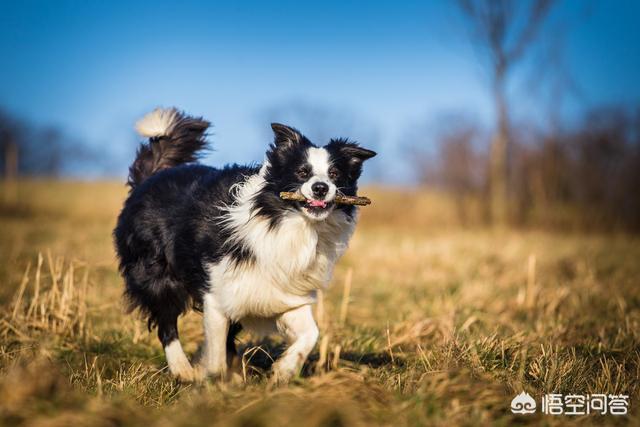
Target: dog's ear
{"x":352,"y":151}
{"x":356,"y":153}
{"x":285,"y":136}
{"x":351,"y":155}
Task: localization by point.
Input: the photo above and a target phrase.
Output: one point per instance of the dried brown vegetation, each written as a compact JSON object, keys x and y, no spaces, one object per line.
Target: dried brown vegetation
{"x":426,"y":323}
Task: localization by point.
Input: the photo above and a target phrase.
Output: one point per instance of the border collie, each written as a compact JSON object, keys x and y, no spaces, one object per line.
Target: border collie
{"x":222,"y":241}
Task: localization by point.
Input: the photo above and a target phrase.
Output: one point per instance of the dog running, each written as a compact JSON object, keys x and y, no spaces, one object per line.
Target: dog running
{"x":222,"y":241}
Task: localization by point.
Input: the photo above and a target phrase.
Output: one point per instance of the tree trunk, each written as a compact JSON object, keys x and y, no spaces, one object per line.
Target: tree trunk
{"x":10,"y":172}
{"x":10,"y":161}
{"x":498,"y":179}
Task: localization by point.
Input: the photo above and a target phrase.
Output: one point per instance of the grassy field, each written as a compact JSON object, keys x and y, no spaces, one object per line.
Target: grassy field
{"x":426,"y":323}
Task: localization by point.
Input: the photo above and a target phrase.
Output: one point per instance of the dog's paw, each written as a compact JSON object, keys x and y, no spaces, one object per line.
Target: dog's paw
{"x":184,"y":372}
{"x":235,"y":378}
{"x":281,"y":375}
{"x":213,"y":373}
{"x":188,"y":376}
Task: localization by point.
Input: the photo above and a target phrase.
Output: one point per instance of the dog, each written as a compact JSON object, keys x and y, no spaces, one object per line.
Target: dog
{"x":223,"y":242}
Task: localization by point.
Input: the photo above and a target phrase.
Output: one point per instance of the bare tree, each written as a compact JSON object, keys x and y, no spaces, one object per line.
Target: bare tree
{"x":29,"y":150}
{"x":448,"y":152}
{"x":504,"y":35}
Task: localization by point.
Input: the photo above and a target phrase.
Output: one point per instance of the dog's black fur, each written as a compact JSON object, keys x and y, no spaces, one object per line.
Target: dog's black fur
{"x":170,"y":225}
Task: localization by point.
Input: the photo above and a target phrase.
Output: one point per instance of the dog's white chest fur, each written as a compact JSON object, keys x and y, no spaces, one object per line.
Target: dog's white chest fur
{"x":291,"y":261}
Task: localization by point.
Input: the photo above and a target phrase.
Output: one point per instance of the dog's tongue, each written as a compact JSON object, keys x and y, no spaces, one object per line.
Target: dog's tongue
{"x":317,"y":203}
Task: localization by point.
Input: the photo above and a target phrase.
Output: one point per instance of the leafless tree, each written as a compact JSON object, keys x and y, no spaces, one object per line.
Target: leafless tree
{"x":448,"y":153}
{"x":28,"y":150}
{"x":10,"y":132}
{"x":503,"y":32}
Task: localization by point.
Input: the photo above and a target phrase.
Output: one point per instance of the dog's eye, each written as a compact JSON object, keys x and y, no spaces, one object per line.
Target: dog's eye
{"x":303,"y":173}
{"x":334,"y":173}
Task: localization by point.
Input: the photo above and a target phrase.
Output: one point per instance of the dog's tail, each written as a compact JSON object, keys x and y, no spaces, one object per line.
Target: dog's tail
{"x":174,"y":138}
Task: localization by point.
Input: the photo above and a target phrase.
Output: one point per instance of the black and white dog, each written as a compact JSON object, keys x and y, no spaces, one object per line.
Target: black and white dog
{"x":222,"y":240}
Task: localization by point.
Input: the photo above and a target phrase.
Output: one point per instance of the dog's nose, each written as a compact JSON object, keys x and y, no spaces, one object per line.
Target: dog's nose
{"x":320,"y":189}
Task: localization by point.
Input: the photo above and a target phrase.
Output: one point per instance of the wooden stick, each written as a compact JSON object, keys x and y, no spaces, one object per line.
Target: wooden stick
{"x":343,"y":200}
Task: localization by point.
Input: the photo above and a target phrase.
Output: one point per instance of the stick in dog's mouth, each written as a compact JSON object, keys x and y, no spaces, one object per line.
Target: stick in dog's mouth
{"x":341,"y":200}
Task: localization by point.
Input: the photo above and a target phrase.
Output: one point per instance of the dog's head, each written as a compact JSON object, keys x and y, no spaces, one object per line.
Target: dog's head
{"x":317,"y":173}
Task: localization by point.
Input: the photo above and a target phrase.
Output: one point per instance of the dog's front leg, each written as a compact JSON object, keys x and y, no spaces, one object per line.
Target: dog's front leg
{"x":216,"y":327}
{"x":300,"y":329}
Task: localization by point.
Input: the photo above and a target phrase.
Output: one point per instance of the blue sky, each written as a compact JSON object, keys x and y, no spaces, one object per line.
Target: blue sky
{"x":93,"y":67}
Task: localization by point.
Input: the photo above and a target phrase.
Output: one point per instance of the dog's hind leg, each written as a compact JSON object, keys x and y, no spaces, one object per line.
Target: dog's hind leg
{"x":216,"y":328}
{"x":234,"y":360}
{"x":178,"y":363}
{"x":300,"y":329}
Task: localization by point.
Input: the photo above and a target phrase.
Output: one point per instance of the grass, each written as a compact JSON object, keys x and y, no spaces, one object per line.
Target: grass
{"x":426,"y":323}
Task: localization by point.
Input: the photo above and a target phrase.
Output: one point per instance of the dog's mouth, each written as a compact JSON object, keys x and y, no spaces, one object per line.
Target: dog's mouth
{"x":317,"y":207}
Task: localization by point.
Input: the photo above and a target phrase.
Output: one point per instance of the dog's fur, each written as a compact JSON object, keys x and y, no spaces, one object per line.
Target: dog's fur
{"x":222,"y":240}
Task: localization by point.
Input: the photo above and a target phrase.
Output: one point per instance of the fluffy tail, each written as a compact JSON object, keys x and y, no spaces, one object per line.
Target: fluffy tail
{"x":174,"y":139}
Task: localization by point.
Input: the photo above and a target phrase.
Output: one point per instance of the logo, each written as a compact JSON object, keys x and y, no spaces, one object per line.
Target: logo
{"x":523,"y":404}
{"x":572,"y":404}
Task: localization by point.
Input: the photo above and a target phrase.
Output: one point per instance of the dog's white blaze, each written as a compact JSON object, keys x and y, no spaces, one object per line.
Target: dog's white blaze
{"x":292,"y":260}
{"x":159,"y":122}
{"x":320,"y":162}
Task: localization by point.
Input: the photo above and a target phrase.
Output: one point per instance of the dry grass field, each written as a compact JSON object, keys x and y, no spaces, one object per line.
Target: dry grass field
{"x":426,"y":323}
